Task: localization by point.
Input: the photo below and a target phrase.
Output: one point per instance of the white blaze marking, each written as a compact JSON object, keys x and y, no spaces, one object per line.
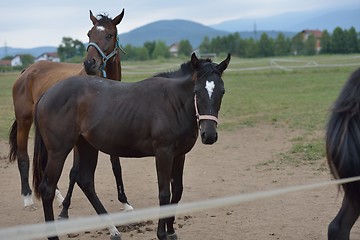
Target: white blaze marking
{"x":210,"y":87}
{"x":100,"y":28}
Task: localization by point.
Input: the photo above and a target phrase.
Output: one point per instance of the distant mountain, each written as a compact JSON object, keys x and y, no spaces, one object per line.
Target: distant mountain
{"x":32,"y":51}
{"x":173,"y":31}
{"x":295,"y":22}
{"x":344,"y":19}
{"x":170,"y":31}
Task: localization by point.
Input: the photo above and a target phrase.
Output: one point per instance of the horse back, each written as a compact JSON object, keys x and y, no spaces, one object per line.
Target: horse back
{"x":40,"y":76}
{"x":124,"y":119}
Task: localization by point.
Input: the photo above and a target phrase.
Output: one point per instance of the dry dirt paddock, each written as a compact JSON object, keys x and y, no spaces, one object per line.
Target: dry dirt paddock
{"x":235,"y":164}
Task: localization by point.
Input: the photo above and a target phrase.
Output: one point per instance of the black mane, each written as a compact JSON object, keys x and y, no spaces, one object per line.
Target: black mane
{"x":103,"y":19}
{"x":206,"y":65}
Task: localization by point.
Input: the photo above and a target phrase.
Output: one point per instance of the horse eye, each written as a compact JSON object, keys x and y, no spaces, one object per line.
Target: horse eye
{"x":109,"y":36}
{"x":223,"y":92}
{"x":88,"y":34}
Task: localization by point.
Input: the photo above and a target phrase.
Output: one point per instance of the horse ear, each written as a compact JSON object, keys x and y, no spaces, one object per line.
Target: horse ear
{"x":223,"y":65}
{"x":93,"y":18}
{"x":118,"y":18}
{"x":194,"y":61}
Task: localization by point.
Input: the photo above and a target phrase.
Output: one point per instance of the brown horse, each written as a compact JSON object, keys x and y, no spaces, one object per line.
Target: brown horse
{"x":103,"y":59}
{"x":160,"y":116}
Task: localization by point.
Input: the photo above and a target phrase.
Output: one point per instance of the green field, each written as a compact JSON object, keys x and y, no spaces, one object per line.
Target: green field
{"x":291,"y":92}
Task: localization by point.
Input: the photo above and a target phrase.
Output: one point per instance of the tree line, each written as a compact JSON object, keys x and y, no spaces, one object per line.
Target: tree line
{"x":340,"y":41}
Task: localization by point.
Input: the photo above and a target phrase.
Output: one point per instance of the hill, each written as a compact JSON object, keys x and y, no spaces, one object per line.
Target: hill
{"x":32,"y":51}
{"x":170,"y":31}
{"x":295,"y":21}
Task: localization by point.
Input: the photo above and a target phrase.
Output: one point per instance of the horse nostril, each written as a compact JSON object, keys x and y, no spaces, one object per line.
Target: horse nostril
{"x":90,"y":62}
{"x":203,"y":135}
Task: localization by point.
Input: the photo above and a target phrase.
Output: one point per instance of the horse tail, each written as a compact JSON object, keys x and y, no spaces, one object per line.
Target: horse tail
{"x":343,"y":137}
{"x":40,"y":157}
{"x":13,"y":142}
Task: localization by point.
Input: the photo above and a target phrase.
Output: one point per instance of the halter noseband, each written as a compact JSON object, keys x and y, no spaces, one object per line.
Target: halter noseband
{"x":105,"y":58}
{"x":203,"y":117}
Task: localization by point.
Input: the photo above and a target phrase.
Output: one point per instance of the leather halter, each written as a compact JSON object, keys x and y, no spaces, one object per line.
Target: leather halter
{"x":203,"y":117}
{"x":105,"y":58}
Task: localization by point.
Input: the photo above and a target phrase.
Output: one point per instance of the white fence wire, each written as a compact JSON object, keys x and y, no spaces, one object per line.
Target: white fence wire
{"x":62,"y":227}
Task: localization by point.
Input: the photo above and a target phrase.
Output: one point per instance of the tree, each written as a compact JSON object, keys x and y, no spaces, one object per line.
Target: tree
{"x":141,"y":54}
{"x":251,"y":48}
{"x":281,"y":45}
{"x":297,"y":44}
{"x":310,"y":45}
{"x":325,"y":42}
{"x":70,"y":48}
{"x":205,"y":45}
{"x":27,"y":60}
{"x":160,"y":50}
{"x":265,"y":45}
{"x":150,"y":46}
{"x":338,"y":41}
{"x":352,"y":41}
{"x":185,"y":48}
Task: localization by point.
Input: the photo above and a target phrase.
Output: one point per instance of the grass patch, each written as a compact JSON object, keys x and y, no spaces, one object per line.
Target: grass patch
{"x":255,"y":94}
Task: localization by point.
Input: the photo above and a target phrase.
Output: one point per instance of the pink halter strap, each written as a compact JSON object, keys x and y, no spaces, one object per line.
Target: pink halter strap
{"x":203,"y":117}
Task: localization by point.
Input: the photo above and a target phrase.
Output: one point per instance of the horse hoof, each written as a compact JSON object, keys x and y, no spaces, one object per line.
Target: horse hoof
{"x":172,"y":236}
{"x":60,"y":217}
{"x":128,"y":207}
{"x":115,"y":237}
{"x":30,"y":208}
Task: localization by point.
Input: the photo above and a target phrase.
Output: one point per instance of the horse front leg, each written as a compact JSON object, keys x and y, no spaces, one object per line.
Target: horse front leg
{"x":88,"y":157}
{"x":176,"y":192}
{"x":339,"y":228}
{"x":164,"y":161}
{"x":116,"y":168}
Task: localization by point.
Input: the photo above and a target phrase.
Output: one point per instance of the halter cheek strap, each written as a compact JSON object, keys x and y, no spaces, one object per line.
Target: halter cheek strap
{"x":203,"y":117}
{"x":105,"y":58}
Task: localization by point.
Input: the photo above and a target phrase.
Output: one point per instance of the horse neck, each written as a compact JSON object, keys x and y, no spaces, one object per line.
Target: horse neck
{"x":113,"y":68}
{"x":186,"y":96}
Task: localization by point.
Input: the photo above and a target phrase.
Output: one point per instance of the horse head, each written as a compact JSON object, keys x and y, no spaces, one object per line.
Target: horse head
{"x":208,"y":93}
{"x":103,"y":43}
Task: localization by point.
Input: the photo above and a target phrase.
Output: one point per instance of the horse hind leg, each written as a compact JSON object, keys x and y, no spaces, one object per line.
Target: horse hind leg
{"x":339,"y":228}
{"x":64,"y":214}
{"x":116,"y":168}
{"x":87,"y":164}
{"x":48,"y":185}
{"x":22,"y":136}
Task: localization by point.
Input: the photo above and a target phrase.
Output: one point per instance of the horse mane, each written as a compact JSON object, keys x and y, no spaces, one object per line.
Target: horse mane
{"x":206,"y":66}
{"x":103,"y":18}
{"x":349,"y":97}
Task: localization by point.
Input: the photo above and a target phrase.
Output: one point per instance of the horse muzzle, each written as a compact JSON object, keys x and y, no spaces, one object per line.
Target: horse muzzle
{"x":208,"y":132}
{"x":91,"y":67}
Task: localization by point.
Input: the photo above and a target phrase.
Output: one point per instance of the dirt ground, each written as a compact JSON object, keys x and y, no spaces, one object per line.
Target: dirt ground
{"x":238,"y":163}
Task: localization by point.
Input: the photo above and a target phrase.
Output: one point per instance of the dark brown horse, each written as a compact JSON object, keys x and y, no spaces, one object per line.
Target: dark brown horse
{"x":103,"y":58}
{"x":343,"y":154}
{"x":159,"y":116}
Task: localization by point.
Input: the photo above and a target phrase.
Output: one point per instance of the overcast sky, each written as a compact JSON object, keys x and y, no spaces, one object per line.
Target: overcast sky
{"x":26,"y":23}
